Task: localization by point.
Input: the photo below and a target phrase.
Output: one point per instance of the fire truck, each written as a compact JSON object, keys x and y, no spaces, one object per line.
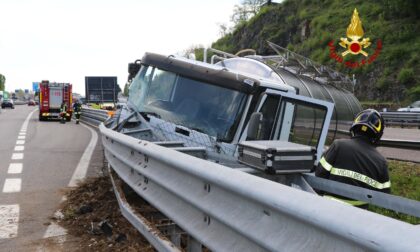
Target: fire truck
{"x":51,"y":96}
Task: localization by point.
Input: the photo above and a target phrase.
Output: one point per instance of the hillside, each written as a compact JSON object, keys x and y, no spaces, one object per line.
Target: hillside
{"x":307,"y":27}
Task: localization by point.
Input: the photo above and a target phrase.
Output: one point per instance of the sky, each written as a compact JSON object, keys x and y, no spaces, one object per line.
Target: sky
{"x":66,"y":40}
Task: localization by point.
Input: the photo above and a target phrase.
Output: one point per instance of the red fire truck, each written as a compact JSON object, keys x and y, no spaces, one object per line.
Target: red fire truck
{"x":51,"y":95}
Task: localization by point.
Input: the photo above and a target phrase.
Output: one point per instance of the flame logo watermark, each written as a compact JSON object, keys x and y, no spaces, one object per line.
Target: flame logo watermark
{"x":354,"y":45}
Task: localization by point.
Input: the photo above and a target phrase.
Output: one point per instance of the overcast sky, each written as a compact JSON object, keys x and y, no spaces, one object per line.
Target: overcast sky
{"x":66,"y":40}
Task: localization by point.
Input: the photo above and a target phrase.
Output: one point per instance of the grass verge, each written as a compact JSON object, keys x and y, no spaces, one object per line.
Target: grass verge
{"x":405,"y":179}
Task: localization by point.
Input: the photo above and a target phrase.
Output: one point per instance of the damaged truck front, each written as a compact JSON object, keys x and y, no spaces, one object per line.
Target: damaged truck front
{"x":210,"y":109}
{"x":193,"y":131}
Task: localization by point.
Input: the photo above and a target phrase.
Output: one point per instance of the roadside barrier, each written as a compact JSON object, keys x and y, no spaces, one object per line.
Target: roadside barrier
{"x":226,"y":209}
{"x":403,"y":119}
{"x":94,"y":117}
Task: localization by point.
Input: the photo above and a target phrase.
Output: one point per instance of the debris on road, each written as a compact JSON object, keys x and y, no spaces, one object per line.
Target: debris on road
{"x":92,"y":214}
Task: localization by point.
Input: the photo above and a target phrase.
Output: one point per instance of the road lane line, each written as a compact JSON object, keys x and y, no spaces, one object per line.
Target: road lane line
{"x":83,"y":165}
{"x":19,"y":148}
{"x":21,"y":137}
{"x":22,"y":133}
{"x":9,"y":219}
{"x":12,"y":185}
{"x":15,"y":168}
{"x":26,"y":122}
{"x":21,"y":142}
{"x":17,"y":156}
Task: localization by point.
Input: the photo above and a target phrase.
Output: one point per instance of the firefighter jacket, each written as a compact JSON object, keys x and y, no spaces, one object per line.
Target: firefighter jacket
{"x":63,"y":108}
{"x":356,"y":162}
{"x":77,"y":107}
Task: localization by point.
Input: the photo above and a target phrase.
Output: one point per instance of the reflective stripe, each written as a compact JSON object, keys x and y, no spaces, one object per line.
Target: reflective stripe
{"x":325,"y":164}
{"x":350,"y":202}
{"x":354,"y":175}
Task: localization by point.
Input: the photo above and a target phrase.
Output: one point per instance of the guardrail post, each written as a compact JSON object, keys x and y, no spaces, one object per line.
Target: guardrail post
{"x":193,"y":245}
{"x":175,"y":235}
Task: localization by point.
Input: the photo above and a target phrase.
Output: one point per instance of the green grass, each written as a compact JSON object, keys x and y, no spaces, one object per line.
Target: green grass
{"x":405,"y":180}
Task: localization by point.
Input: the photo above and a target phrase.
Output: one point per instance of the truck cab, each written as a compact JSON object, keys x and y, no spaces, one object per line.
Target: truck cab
{"x":209,"y":108}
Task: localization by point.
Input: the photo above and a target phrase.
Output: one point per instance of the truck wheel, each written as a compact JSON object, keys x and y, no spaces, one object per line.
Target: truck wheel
{"x":41,"y":118}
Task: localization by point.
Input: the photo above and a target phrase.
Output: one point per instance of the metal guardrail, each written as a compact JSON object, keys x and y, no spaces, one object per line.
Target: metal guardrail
{"x":399,"y":143}
{"x":94,"y":116}
{"x":402,"y":119}
{"x":229,"y":210}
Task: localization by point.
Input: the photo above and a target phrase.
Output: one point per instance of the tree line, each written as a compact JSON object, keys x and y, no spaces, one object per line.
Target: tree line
{"x":2,"y":82}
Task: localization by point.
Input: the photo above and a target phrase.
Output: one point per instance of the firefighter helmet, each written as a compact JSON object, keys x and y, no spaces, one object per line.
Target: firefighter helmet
{"x":369,"y":122}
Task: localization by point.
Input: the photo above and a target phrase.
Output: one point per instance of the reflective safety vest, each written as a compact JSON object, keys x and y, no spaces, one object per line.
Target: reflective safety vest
{"x":354,"y":175}
{"x":63,"y":109}
{"x":356,"y":162}
{"x":356,"y":203}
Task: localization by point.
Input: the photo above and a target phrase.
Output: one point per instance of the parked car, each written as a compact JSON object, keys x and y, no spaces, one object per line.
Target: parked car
{"x":31,"y":103}
{"x":7,"y":103}
{"x":413,"y":107}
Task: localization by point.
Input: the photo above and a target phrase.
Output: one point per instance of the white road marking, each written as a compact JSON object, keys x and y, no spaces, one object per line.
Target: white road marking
{"x":15,"y":168}
{"x":22,"y":133}
{"x":19,"y":148}
{"x":21,"y":137}
{"x":12,"y":185}
{"x":26,"y":122}
{"x":22,"y":142}
{"x":83,"y":165}
{"x":17,"y":156}
{"x":54,"y":230}
{"x":9,"y":218}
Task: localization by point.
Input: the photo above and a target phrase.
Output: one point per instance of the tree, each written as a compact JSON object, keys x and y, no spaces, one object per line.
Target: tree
{"x":244,"y":11}
{"x":196,"y":50}
{"x":126,"y":89}
{"x":2,"y":82}
{"x":223,"y":29}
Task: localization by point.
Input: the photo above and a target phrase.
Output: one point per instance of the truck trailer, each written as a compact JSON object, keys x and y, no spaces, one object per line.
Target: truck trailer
{"x":101,"y":89}
{"x":51,"y":96}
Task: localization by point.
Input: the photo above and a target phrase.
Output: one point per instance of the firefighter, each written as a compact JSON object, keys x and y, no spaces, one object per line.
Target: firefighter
{"x":77,"y":108}
{"x":63,"y":112}
{"x":356,"y":161}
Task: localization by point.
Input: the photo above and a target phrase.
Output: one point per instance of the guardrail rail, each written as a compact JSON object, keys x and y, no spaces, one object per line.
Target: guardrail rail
{"x":94,"y":117}
{"x":229,"y":210}
{"x":226,"y":209}
{"x":402,"y":119}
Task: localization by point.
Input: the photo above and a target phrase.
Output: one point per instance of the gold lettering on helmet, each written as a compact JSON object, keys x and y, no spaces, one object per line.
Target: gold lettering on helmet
{"x":364,"y":128}
{"x":379,"y":126}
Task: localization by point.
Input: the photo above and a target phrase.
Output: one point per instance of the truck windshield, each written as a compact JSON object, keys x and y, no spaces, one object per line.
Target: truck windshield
{"x":194,"y":104}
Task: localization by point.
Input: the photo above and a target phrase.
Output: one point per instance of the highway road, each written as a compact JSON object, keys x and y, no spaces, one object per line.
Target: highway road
{"x":38,"y":160}
{"x":412,"y":134}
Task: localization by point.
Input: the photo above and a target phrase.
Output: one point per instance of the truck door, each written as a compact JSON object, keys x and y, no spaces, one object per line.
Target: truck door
{"x":56,"y":97}
{"x":294,"y":118}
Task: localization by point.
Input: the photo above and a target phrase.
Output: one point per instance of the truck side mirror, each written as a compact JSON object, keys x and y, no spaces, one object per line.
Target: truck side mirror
{"x":133,"y":69}
{"x":254,"y":125}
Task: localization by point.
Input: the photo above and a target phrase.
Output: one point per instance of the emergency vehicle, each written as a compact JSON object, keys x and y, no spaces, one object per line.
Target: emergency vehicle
{"x":51,"y":96}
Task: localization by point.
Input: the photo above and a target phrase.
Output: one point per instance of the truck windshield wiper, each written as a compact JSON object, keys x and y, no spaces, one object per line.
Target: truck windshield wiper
{"x":198,"y":130}
{"x":147,"y":113}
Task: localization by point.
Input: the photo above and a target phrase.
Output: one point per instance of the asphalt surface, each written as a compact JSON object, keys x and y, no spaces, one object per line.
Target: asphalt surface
{"x":412,"y":134}
{"x":36,"y":166}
